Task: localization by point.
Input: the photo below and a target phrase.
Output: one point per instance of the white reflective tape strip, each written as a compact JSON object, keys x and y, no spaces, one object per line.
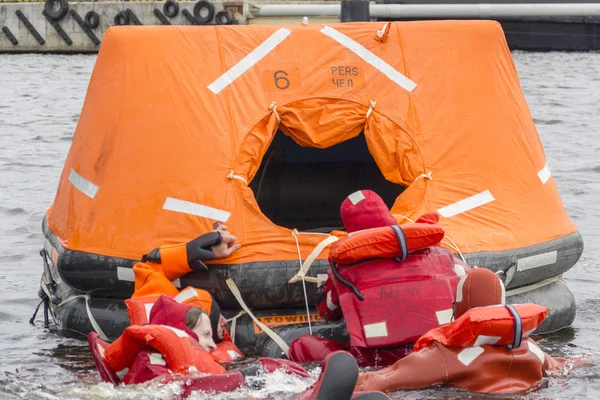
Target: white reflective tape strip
{"x":177,"y":283}
{"x":370,"y":58}
{"x":444,"y":316}
{"x":148,"y":308}
{"x":248,"y":62}
{"x":178,"y":332}
{"x":533,"y":286}
{"x":156,"y":359}
{"x":356,"y":197}
{"x":537,"y":351}
{"x":100,"y":350}
{"x":233,"y":354}
{"x":185,"y":295}
{"x":330,"y":304}
{"x":484,"y":339}
{"x":125,"y":274}
{"x":467,"y":204}
{"x":544,"y":174}
{"x":459,"y":270}
{"x":187,"y":207}
{"x":121,"y":374}
{"x":83,"y":185}
{"x":459,"y":289}
{"x":469,"y":354}
{"x":376,"y":330}
{"x":539,"y":260}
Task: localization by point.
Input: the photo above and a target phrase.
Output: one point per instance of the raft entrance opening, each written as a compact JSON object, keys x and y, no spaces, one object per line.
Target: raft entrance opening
{"x":302,"y":187}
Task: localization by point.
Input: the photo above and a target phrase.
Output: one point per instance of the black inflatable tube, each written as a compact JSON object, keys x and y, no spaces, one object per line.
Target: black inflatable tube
{"x":569,"y":249}
{"x":263,"y":284}
{"x":30,"y":27}
{"x":111,"y":315}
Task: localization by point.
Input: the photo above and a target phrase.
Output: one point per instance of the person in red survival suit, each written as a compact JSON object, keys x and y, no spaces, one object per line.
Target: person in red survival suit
{"x":485,"y":349}
{"x":434,"y":268}
{"x":176,"y":343}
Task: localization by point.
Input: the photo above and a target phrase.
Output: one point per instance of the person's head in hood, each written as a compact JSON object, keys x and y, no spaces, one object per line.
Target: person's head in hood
{"x":480,"y":287}
{"x":365,"y":209}
{"x":192,"y":320}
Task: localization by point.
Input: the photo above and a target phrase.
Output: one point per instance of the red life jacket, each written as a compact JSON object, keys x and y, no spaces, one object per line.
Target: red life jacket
{"x":139,"y":309}
{"x":402,"y":299}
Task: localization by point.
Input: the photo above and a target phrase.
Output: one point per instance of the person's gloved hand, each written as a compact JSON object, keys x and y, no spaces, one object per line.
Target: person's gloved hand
{"x":290,"y":367}
{"x":217,"y":244}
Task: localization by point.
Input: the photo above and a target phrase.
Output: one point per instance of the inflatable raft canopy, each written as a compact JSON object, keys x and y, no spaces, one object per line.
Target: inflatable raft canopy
{"x":267,"y":129}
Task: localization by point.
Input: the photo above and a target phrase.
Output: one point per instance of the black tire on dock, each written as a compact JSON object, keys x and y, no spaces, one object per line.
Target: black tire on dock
{"x":121,"y":18}
{"x":171,"y":8}
{"x":223,"y":18}
{"x":56,"y":9}
{"x":92,"y":19}
{"x":203,"y":4}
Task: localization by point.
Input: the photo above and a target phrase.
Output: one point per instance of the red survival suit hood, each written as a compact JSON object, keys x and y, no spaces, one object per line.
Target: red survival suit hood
{"x":167,"y":311}
{"x":365,"y":209}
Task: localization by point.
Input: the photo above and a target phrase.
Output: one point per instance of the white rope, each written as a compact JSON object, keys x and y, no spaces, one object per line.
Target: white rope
{"x":311,"y":259}
{"x":453,"y":245}
{"x":233,"y":321}
{"x":232,"y":175}
{"x":372,"y":104}
{"x":273,"y":107}
{"x":295,"y":235}
{"x":95,"y":325}
{"x":276,"y":338}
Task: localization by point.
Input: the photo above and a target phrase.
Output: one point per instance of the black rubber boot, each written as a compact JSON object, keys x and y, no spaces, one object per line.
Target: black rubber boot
{"x":337,"y":380}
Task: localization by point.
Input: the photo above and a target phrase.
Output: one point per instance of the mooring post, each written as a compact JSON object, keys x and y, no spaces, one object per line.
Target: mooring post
{"x":355,"y":11}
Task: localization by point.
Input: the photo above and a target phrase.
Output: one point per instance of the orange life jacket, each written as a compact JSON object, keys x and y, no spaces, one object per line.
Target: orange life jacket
{"x":180,"y":351}
{"x":494,"y":325}
{"x":385,"y":242}
{"x":139,"y":314}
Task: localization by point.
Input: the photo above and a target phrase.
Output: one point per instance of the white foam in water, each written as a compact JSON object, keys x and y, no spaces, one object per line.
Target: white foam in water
{"x":274,"y":384}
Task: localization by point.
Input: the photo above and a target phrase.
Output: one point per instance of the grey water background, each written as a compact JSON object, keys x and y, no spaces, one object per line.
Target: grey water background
{"x":40,"y":100}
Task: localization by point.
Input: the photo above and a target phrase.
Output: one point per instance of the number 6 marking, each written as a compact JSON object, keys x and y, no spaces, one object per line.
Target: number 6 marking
{"x":278,"y":80}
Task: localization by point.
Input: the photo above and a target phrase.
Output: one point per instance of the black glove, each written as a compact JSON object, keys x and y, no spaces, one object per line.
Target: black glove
{"x":153,"y":256}
{"x":199,"y":250}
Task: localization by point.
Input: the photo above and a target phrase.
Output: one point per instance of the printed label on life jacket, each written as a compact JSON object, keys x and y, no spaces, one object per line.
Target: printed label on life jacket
{"x":281,"y":320}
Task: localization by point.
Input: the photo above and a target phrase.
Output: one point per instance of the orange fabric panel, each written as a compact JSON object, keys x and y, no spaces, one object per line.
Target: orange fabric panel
{"x":383,"y":242}
{"x":491,"y":321}
{"x":152,"y":130}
